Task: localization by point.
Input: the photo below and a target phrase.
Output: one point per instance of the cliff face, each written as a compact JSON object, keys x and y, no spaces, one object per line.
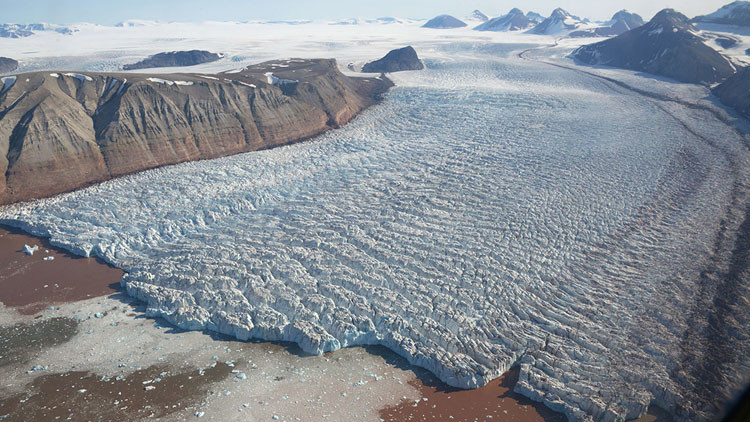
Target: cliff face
{"x":62,"y":131}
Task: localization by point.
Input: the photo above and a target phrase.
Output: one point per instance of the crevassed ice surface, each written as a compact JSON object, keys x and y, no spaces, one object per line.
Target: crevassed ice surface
{"x":491,"y":211}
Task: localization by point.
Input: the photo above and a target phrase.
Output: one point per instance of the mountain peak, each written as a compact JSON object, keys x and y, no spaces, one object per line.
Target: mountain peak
{"x":559,"y":12}
{"x":444,"y":22}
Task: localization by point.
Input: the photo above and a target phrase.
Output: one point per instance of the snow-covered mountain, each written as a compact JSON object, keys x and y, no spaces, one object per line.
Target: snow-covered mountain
{"x":666,"y":46}
{"x":623,"y":21}
{"x":14,"y":30}
{"x":559,"y":21}
{"x":536,"y":17}
{"x":736,"y":13}
{"x":515,"y":20}
{"x":444,"y":22}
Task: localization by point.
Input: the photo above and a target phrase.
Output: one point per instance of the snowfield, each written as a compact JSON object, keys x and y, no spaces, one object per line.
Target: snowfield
{"x":491,"y":212}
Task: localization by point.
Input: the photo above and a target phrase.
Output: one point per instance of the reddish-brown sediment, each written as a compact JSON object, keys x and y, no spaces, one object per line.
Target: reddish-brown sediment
{"x":494,"y":401}
{"x":29,"y":283}
{"x":149,"y":393}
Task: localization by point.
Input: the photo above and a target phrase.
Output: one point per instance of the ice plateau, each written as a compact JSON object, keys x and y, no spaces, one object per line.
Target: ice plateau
{"x":555,"y":221}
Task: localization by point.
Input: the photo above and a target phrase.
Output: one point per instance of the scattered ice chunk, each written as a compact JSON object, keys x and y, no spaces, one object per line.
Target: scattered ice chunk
{"x":29,"y":250}
{"x":81,"y":77}
{"x":160,"y":81}
{"x":49,"y":258}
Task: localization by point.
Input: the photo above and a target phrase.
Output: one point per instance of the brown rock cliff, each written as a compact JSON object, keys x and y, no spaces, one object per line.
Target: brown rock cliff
{"x":63,"y":131}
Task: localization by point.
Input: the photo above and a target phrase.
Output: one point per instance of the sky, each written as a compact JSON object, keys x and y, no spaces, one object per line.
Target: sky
{"x":109,"y":12}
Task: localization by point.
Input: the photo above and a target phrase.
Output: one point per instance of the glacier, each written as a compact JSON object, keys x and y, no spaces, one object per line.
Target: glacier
{"x":491,"y":212}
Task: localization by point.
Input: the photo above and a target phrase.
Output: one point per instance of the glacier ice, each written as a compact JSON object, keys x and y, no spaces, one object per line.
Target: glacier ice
{"x":490,"y":212}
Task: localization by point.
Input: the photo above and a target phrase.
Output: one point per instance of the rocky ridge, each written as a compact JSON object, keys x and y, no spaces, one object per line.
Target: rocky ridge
{"x":63,"y":131}
{"x":175,"y":59}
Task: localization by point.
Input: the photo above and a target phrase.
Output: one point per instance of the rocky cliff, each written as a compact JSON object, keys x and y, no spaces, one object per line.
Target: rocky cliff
{"x":62,"y":131}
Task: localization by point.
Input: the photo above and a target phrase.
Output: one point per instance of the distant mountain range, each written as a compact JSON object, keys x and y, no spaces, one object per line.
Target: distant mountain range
{"x":515,"y":20}
{"x":14,"y":30}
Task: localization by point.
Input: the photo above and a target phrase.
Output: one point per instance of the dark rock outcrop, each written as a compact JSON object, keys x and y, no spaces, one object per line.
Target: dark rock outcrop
{"x":735,"y":92}
{"x":665,"y":46}
{"x":622,"y":22}
{"x":726,"y":42}
{"x":479,"y":16}
{"x":60,"y":132}
{"x":559,"y":21}
{"x":736,"y":13}
{"x":395,"y":61}
{"x":515,"y":20}
{"x":444,"y":22}
{"x":175,"y":59}
{"x":8,"y":65}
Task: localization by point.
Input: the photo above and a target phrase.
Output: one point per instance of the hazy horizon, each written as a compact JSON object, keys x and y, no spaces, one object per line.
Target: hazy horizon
{"x":94,"y":11}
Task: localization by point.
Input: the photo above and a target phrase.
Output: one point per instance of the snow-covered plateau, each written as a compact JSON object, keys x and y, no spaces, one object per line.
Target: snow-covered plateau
{"x":491,"y":211}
